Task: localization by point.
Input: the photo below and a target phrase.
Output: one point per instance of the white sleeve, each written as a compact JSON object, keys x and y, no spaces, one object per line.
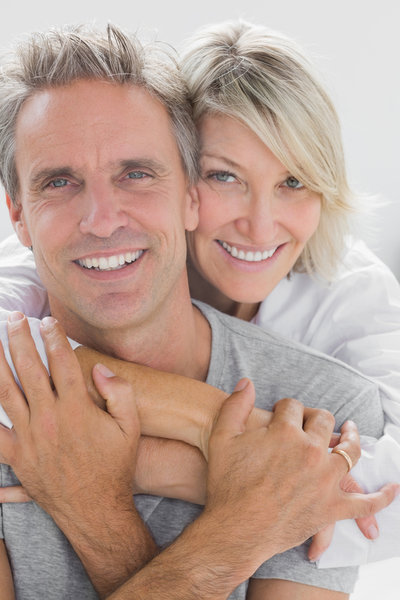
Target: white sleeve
{"x":356,"y":320}
{"x":349,"y":547}
{"x":35,"y":330}
{"x":20,"y":285}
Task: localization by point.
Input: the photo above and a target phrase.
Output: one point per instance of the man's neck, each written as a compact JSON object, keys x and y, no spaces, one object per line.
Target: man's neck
{"x":177,"y":340}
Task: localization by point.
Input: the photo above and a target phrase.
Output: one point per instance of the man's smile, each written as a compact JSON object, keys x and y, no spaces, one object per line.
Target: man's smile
{"x":110,"y":263}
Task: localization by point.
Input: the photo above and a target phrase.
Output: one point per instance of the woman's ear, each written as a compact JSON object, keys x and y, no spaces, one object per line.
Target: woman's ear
{"x":17,"y":217}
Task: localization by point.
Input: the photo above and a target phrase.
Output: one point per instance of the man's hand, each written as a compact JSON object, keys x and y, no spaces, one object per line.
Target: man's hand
{"x":275,"y":487}
{"x":76,"y":460}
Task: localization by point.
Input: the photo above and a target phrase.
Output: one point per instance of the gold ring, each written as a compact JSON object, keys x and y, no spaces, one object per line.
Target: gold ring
{"x":345,"y":456}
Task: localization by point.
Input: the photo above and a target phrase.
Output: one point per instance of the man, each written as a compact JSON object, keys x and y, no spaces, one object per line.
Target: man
{"x":99,"y":176}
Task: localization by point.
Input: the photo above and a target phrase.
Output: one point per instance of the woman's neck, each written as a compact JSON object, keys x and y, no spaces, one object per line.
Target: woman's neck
{"x":203,"y":290}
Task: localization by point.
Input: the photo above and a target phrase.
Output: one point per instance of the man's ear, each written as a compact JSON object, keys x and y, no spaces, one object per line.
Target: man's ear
{"x":192,"y":209}
{"x":18,"y":221}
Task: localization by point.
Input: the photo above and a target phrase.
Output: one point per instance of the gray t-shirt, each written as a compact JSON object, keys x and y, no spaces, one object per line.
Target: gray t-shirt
{"x":45,"y":566}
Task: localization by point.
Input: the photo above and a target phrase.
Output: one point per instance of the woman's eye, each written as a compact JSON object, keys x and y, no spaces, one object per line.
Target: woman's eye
{"x":293,"y":183}
{"x":222,"y":177}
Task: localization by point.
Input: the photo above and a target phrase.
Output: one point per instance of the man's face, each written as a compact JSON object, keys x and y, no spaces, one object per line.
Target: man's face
{"x":103,"y":200}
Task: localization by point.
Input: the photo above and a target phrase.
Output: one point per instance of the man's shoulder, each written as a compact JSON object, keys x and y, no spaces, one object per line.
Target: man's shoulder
{"x":262,"y":346}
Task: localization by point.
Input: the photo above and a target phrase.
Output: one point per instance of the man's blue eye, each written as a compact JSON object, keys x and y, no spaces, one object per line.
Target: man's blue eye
{"x":136,"y":175}
{"x":57,"y":183}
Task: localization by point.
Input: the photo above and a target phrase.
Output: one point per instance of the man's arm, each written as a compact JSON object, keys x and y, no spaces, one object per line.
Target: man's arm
{"x":74,"y":458}
{"x":243,"y":523}
{"x":7,"y":585}
{"x":244,"y":495}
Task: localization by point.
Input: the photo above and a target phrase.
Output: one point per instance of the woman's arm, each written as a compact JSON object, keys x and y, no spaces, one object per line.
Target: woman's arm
{"x":170,"y":406}
{"x":264,"y":589}
{"x":7,"y":585}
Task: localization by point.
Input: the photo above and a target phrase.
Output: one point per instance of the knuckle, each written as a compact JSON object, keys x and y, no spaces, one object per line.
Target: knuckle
{"x":325,"y":417}
{"x":6,"y":393}
{"x":122,"y":386}
{"x":58,"y":351}
{"x":369,"y":507}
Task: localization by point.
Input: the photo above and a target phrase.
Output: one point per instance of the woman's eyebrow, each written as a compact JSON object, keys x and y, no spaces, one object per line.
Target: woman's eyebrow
{"x":224,"y":159}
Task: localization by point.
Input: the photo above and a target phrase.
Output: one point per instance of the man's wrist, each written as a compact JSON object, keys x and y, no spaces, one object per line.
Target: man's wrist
{"x":111,"y":546}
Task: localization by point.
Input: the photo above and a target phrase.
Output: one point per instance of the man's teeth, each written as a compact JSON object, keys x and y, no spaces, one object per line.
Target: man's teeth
{"x":110,"y":263}
{"x":248,"y":256}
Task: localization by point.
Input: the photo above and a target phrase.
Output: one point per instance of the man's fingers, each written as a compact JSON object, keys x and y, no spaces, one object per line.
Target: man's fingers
{"x":119,"y":398}
{"x":63,"y":363}
{"x":288,"y":411}
{"x":321,"y":542}
{"x":319,"y":425}
{"x":236,"y":409}
{"x":29,"y":366}
{"x":14,"y":494}
{"x":11,"y":397}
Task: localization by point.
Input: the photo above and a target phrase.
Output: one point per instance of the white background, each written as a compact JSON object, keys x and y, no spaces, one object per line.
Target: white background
{"x":356,"y":44}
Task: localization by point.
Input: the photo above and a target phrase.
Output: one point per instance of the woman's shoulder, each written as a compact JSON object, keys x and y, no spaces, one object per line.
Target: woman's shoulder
{"x":314,"y":311}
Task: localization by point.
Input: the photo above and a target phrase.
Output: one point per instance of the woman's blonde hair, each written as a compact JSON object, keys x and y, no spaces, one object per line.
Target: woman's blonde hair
{"x":264,"y":80}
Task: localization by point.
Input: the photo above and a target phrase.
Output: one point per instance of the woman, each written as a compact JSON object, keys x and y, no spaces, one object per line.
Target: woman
{"x":274,"y":196}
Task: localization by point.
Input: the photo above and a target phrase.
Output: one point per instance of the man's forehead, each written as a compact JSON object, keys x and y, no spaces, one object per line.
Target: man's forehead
{"x":97,"y":121}
{"x":91,"y":100}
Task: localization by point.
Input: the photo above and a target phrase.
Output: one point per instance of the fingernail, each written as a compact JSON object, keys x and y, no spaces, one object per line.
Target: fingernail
{"x":314,"y":558}
{"x":104,"y":370}
{"x":372,"y":532}
{"x":48,"y":322}
{"x":15,"y":316}
{"x":241,"y":385}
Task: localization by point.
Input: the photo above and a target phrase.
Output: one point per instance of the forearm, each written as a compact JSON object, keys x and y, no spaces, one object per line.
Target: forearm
{"x":262,"y":589}
{"x":170,"y":406}
{"x":171,"y":469}
{"x":202,"y":563}
{"x":112,"y":548}
{"x":7,"y":585}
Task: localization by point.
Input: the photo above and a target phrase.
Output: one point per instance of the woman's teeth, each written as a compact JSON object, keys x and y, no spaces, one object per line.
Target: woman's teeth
{"x":110,"y":263}
{"x":248,"y":256}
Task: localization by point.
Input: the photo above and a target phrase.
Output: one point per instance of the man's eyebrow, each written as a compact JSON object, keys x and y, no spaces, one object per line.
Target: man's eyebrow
{"x":45,"y":174}
{"x":144,"y":163}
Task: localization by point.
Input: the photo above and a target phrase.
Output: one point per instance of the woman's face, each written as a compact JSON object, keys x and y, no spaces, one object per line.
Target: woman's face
{"x":255,"y":217}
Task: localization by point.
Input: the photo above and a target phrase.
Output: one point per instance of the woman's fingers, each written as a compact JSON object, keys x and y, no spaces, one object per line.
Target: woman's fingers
{"x":14,"y":494}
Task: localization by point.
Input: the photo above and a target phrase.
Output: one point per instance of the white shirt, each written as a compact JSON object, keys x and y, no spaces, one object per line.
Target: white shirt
{"x":356,"y":319}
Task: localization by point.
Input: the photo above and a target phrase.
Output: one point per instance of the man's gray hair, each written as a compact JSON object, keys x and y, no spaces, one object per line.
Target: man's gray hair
{"x":60,"y":56}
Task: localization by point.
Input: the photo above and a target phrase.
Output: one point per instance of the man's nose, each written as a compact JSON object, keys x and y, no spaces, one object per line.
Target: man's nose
{"x":102,"y":212}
